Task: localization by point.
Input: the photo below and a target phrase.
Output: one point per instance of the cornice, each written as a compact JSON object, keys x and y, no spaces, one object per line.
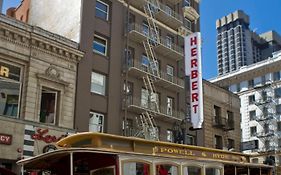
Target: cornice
{"x":28,"y":36}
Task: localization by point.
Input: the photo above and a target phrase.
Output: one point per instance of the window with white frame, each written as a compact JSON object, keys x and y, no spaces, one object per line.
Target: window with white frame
{"x":169,"y":41}
{"x":186,"y":3}
{"x":102,"y":10}
{"x":252,"y":115}
{"x":100,"y":45}
{"x":96,"y":122}
{"x":276,"y":76}
{"x":144,"y":63}
{"x":170,"y":136}
{"x":10,"y":90}
{"x":170,"y":102}
{"x":98,"y":83}
{"x":277,"y":92}
{"x":170,"y":73}
{"x":253,"y":131}
{"x":144,"y":98}
{"x":145,"y":28}
{"x":48,"y":108}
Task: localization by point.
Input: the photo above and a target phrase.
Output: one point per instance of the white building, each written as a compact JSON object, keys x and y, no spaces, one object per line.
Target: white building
{"x":259,"y":88}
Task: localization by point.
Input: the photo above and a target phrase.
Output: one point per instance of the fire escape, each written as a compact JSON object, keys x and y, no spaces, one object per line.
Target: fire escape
{"x":267,"y":118}
{"x":147,"y":34}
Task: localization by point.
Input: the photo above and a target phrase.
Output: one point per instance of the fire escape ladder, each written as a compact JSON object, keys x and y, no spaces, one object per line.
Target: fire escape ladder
{"x":148,"y":9}
{"x":151,"y":55}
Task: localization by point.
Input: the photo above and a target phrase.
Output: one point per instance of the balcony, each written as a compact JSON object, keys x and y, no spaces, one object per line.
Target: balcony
{"x":223,"y":123}
{"x":183,"y":31}
{"x":264,"y":100}
{"x":169,"y":49}
{"x":264,"y":134}
{"x":139,"y":4}
{"x":190,"y":13}
{"x":169,"y":17}
{"x":173,"y":2}
{"x":169,"y":82}
{"x":136,"y":32}
{"x":136,"y":105}
{"x":265,"y":117}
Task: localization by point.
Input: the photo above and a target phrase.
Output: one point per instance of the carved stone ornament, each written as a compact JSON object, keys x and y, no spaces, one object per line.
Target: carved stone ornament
{"x":52,"y":72}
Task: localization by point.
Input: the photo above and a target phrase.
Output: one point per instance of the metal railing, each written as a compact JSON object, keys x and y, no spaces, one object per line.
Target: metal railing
{"x":163,"y":75}
{"x":170,"y":12}
{"x":171,"y":46}
{"x":150,"y":106}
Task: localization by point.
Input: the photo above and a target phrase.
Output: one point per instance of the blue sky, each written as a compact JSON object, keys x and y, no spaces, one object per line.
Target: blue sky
{"x":264,"y":16}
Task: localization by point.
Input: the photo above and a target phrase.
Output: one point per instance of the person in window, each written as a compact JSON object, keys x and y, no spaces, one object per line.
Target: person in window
{"x":161,"y":170}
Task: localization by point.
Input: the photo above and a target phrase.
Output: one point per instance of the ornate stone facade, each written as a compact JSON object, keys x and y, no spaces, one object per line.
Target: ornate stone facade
{"x":37,"y":87}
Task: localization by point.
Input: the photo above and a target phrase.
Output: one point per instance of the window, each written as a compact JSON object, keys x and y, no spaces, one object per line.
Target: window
{"x":170,"y":105}
{"x":136,"y":168}
{"x":253,"y":131}
{"x":169,"y":41}
{"x":279,"y":126}
{"x":166,"y":169}
{"x":192,"y":170}
{"x":102,"y":10}
{"x":250,"y":83}
{"x":251,"y":99}
{"x":144,"y":63}
{"x":48,"y":106}
{"x":213,"y":171}
{"x":100,"y":45}
{"x":252,"y":115}
{"x":144,"y":98}
{"x":98,"y":83}
{"x":217,"y":115}
{"x":170,"y":136}
{"x":278,"y":109}
{"x":96,"y":122}
{"x":263,"y":80}
{"x":238,"y":87}
{"x":190,"y":140}
{"x":230,"y":119}
{"x":276,"y":76}
{"x":129,"y":127}
{"x":187,"y":23}
{"x":231,"y":144}
{"x":279,"y":144}
{"x":145,"y":29}
{"x":128,"y":92}
{"x":218,"y":142}
{"x":9,"y":90}
{"x":277,"y":92}
{"x":130,"y":54}
{"x":186,"y":3}
{"x":170,"y":73}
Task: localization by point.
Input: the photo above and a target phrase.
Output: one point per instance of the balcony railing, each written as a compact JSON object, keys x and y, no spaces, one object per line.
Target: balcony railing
{"x":137,"y":32}
{"x":164,"y":80}
{"x":137,"y":105}
{"x":168,"y":16}
{"x":263,"y":134}
{"x":265,"y":117}
{"x":169,"y":49}
{"x":190,"y":13}
{"x":223,"y":123}
{"x":264,"y":100}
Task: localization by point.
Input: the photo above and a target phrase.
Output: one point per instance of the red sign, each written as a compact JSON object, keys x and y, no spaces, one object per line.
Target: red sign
{"x":5,"y":139}
{"x":41,"y":134}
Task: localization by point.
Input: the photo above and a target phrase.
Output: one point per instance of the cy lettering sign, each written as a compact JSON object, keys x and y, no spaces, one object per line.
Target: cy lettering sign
{"x":5,"y":139}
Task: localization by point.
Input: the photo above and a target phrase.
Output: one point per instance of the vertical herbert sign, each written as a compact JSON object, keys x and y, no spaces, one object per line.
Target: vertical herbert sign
{"x":193,"y":70}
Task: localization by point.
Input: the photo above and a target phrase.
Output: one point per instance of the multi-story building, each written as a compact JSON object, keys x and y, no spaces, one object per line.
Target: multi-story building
{"x":37,"y":90}
{"x":1,"y":6}
{"x":131,"y":81}
{"x":259,"y":88}
{"x":238,"y":45}
{"x":221,"y":126}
